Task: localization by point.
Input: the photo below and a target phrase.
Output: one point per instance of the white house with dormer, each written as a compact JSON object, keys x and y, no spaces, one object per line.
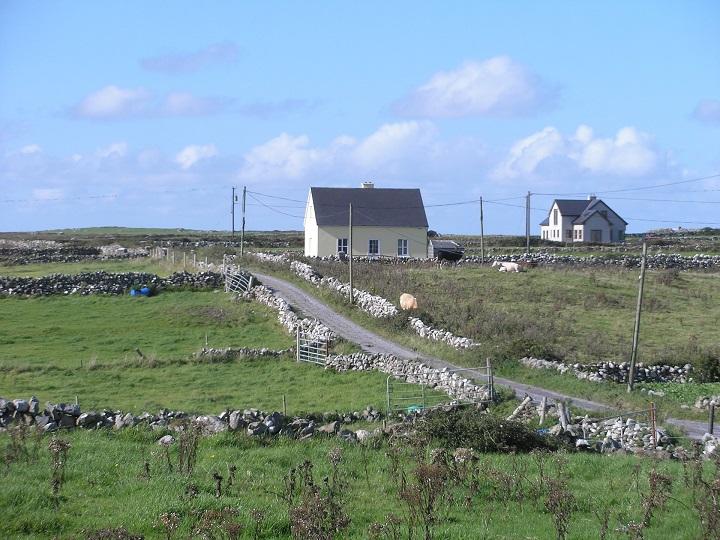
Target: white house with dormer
{"x":578,"y":220}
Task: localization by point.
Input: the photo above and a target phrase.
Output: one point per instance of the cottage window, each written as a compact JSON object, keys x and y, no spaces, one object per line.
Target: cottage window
{"x":555,"y":217}
{"x":402,"y":247}
{"x":580,"y":234}
{"x":373,"y":247}
{"x":342,"y":245}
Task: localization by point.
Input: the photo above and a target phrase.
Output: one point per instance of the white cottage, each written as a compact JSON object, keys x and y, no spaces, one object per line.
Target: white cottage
{"x":591,"y":220}
{"x":386,"y":222}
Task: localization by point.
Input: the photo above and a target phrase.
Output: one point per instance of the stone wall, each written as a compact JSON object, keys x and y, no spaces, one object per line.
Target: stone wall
{"x":21,"y":252}
{"x":104,"y":283}
{"x":614,"y":371}
{"x":454,"y":385}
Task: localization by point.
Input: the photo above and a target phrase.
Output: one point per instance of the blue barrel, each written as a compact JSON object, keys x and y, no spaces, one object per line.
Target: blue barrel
{"x":133,"y":292}
{"x":145,"y":291}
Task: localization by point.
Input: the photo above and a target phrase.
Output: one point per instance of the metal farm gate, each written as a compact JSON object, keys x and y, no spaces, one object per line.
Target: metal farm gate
{"x":403,"y":396}
{"x":237,"y":281}
{"x":310,"y":349}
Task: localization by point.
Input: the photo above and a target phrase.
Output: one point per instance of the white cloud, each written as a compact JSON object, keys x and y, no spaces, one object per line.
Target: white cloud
{"x":186,"y":104}
{"x":47,"y":194}
{"x":392,"y":142}
{"x":114,"y":150}
{"x":708,"y":110}
{"x":630,"y":153}
{"x":174,"y":63}
{"x":496,"y":86}
{"x":30,"y":149}
{"x":113,"y":101}
{"x":402,"y":150}
{"x":190,"y":155}
{"x":285,"y":156}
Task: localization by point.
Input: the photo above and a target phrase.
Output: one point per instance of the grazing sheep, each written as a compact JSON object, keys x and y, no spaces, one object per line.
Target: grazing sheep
{"x":506,"y":266}
{"x":408,"y":302}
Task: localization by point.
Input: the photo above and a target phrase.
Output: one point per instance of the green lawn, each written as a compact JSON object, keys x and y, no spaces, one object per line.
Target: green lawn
{"x":202,"y":387}
{"x":63,"y":331}
{"x":105,"y":487}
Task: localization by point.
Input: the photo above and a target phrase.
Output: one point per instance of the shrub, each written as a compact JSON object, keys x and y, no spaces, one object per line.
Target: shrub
{"x":706,"y":366}
{"x":484,"y":432}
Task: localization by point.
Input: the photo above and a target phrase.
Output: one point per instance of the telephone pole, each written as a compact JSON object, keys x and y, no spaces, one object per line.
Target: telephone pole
{"x":482,"y":235}
{"x":636,"y":331}
{"x":350,"y":254}
{"x":232,"y":211}
{"x":527,"y":223}
{"x":242,"y":233}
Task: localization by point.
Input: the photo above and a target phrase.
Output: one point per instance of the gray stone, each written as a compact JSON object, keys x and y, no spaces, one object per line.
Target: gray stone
{"x":166,"y":440}
{"x":66,"y":421}
{"x":88,"y":420}
{"x":236,"y":421}
{"x":210,"y":424}
{"x":21,"y":406}
{"x":34,"y":405}
{"x":42,"y":420}
{"x":256,"y":428}
{"x":50,"y":426}
{"x":347,"y":435}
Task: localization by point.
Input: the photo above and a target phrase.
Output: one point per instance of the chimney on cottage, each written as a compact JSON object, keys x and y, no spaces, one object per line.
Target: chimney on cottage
{"x":367,"y":185}
{"x":591,"y":197}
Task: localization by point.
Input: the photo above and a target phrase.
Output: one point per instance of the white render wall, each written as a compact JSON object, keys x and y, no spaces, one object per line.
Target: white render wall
{"x":388,"y":236}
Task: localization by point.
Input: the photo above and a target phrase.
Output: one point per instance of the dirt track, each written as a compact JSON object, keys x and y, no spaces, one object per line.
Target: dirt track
{"x":373,"y":343}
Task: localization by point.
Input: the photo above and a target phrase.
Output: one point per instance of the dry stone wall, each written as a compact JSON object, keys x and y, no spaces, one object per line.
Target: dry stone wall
{"x":21,"y":252}
{"x":104,"y":283}
{"x":454,"y":385}
{"x":614,"y":371}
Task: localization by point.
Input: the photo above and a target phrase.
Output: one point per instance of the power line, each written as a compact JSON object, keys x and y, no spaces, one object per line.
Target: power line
{"x":639,"y":188}
{"x":273,"y":209}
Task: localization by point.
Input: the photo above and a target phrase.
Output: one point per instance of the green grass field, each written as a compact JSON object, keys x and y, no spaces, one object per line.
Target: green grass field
{"x":105,"y":487}
{"x":202,"y":387}
{"x":59,"y":348}
{"x":496,"y":348}
{"x":577,"y":315}
{"x":62,"y":331}
{"x":114,"y":265}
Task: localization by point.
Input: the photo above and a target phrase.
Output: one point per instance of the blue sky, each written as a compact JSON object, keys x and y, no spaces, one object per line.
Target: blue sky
{"x":146,"y":113}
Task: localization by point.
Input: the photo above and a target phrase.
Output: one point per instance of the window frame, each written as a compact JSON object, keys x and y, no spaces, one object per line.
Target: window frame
{"x":370,"y":241}
{"x":403,"y":243}
{"x":342,"y":245}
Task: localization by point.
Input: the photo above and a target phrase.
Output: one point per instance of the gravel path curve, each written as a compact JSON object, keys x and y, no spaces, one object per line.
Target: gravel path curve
{"x":373,"y":343}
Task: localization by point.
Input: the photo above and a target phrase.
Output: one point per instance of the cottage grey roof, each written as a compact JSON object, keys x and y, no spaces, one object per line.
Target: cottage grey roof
{"x":375,"y":207}
{"x":581,"y":208}
{"x":591,"y":210}
{"x":573,"y":207}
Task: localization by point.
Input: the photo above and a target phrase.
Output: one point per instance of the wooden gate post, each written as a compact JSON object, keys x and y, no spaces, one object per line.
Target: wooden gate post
{"x":297,"y":343}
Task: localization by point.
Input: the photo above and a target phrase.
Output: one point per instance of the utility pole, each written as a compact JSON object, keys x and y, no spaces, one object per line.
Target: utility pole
{"x":482,"y":235}
{"x":232,"y":211}
{"x":527,"y":223}
{"x":242,"y":233}
{"x":350,"y":255}
{"x":636,"y":331}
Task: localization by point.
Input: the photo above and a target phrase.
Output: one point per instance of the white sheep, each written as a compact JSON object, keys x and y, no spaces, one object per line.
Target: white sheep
{"x":506,"y":266}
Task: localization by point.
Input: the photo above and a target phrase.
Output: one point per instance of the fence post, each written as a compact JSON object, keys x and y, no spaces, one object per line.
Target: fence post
{"x":194,"y":259}
{"x":284,"y":405}
{"x":711,"y":424}
{"x":184,"y":260}
{"x":654,"y":424}
{"x":491,"y":382}
{"x":297,"y":343}
{"x":387,"y":395}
